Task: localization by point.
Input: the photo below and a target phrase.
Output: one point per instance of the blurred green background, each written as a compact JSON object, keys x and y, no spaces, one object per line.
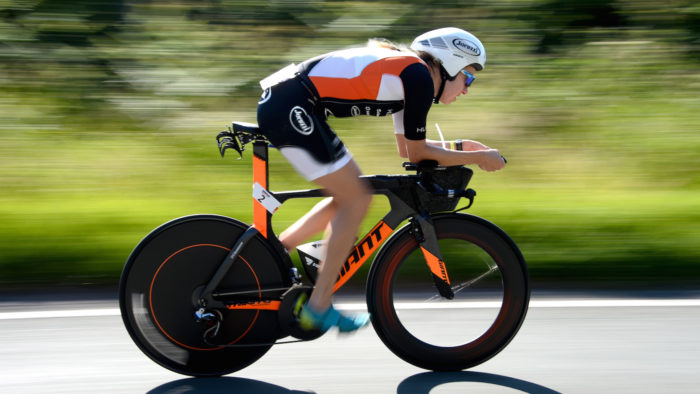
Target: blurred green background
{"x":109,"y":109}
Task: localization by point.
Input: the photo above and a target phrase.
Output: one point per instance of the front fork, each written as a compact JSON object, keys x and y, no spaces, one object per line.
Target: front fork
{"x":423,"y":230}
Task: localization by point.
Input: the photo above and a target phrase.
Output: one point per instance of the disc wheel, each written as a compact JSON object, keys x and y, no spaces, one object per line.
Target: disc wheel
{"x":488,"y":276}
{"x":161,"y":283}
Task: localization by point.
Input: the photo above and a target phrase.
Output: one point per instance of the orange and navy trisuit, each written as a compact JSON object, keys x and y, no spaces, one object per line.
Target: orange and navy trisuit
{"x":369,"y":81}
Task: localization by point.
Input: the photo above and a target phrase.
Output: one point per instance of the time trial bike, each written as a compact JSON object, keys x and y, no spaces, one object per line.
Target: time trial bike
{"x":206,"y":295}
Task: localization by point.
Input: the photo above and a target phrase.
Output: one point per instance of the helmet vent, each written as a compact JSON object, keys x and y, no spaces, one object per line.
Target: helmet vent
{"x":438,"y":42}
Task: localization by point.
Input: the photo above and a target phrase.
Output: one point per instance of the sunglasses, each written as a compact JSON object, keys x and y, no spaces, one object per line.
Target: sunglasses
{"x":470,"y":78}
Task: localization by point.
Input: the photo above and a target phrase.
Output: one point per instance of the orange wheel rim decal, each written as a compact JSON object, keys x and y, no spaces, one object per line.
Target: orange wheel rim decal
{"x":150,"y":298}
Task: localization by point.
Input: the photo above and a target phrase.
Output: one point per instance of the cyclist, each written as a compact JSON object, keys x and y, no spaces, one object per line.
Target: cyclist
{"x":377,"y":80}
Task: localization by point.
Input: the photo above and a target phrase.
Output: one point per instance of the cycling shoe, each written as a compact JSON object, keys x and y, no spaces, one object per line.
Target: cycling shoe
{"x":309,"y":319}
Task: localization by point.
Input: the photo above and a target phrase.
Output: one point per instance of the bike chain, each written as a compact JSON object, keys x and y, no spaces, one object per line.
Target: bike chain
{"x":217,"y":319}
{"x":217,"y":326}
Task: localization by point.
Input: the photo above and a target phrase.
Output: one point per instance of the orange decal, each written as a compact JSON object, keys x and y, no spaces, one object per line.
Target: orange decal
{"x":437,"y":266}
{"x":362,"y":251}
{"x":365,"y":86}
{"x":154,"y":313}
{"x":259,"y":211}
{"x":265,"y":305}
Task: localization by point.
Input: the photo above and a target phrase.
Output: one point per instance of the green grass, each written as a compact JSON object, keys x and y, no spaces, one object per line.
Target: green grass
{"x":601,"y":186}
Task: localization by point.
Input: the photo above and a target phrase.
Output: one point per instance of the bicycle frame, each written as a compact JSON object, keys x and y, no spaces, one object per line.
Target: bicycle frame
{"x":406,"y":194}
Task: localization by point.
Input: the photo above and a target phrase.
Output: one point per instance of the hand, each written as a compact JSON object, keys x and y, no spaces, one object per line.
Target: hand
{"x":469,"y":145}
{"x":491,"y":160}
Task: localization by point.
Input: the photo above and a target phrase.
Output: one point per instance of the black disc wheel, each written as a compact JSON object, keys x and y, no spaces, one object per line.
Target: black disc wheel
{"x":488,"y":276}
{"x":163,"y":278}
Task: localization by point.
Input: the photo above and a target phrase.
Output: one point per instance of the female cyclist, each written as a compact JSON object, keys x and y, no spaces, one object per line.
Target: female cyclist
{"x":376,"y":80}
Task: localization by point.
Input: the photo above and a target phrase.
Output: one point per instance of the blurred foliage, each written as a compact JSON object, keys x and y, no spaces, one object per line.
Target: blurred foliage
{"x":108,"y":111}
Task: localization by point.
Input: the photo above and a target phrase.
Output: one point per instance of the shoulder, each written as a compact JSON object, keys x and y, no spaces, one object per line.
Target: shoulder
{"x":381,"y":54}
{"x":417,"y":76}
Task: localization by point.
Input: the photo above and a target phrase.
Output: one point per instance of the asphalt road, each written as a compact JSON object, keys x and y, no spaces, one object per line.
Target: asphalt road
{"x":569,"y":343}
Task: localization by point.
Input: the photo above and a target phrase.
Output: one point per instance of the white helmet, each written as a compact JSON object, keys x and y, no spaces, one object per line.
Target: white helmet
{"x":454,"y":47}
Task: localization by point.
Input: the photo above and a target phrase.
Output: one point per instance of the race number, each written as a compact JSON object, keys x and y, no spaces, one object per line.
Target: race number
{"x":265,"y":198}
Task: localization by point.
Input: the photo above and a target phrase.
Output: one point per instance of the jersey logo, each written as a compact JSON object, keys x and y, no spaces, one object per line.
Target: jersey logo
{"x":466,"y":46}
{"x":301,"y":121}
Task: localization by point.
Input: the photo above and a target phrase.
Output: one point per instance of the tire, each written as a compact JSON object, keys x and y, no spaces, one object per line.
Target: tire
{"x":449,"y":335}
{"x":163,"y":277}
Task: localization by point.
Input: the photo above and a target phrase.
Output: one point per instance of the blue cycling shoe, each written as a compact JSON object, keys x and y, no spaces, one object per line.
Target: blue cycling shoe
{"x":309,"y":319}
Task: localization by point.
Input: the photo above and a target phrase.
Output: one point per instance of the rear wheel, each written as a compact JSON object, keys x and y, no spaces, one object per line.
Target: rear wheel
{"x":490,"y":281}
{"x":161,"y":283}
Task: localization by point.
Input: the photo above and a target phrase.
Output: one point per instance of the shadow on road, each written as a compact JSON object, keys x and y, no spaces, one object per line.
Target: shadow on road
{"x":221,"y":385}
{"x":422,"y":383}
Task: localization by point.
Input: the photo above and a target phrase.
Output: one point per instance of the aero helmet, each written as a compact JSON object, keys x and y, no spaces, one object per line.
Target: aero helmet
{"x":454,"y":47}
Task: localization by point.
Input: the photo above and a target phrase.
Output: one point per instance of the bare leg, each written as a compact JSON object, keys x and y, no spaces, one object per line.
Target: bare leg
{"x":350,"y":201}
{"x":315,"y":221}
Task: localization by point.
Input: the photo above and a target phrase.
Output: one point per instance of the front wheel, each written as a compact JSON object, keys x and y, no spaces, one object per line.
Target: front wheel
{"x":488,"y":276}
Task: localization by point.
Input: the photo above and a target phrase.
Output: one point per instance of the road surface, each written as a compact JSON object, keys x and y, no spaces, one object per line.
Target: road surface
{"x":569,"y":343}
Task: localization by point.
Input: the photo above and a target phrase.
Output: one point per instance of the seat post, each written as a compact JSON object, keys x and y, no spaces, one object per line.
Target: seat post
{"x":262,"y":219}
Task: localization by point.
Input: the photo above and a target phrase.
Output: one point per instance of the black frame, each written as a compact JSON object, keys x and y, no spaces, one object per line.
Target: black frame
{"x":414,"y":197}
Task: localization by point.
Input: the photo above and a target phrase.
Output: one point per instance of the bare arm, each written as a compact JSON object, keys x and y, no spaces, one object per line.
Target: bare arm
{"x":467,"y":145}
{"x":416,"y":150}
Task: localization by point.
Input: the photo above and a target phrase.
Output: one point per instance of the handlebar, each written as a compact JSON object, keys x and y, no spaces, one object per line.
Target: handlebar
{"x":426,"y":170}
{"x":430,"y":165}
{"x":237,"y":136}
{"x":437,"y":190}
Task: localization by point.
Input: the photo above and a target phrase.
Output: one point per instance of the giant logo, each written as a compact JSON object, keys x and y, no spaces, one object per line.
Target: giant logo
{"x":301,"y":121}
{"x":466,"y":46}
{"x":366,"y":247}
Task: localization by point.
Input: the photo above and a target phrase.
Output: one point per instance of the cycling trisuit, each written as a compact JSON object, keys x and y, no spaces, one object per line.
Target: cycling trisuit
{"x":297,"y":100}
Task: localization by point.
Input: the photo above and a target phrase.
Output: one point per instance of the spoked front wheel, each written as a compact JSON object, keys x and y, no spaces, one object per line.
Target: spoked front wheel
{"x":488,"y":276}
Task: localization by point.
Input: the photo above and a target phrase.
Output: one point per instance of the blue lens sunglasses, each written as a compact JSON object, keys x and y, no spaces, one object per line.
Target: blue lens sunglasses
{"x":470,"y":78}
